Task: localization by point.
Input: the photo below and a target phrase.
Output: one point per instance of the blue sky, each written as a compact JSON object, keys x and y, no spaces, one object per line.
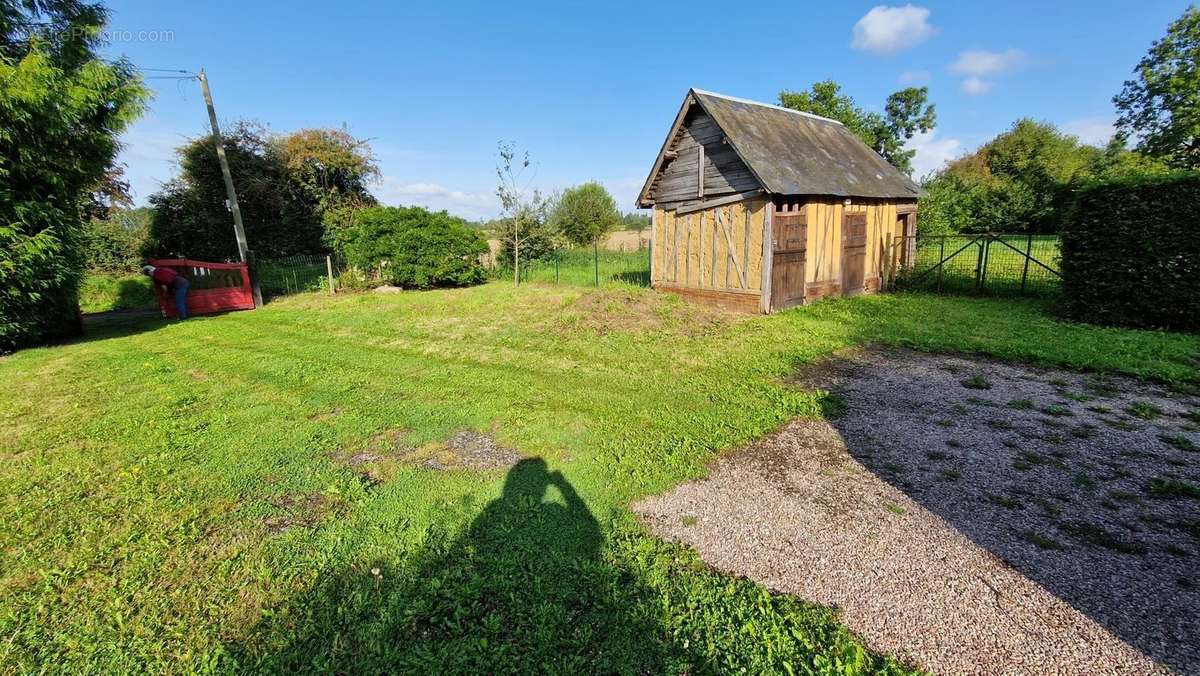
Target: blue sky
{"x":590,"y":89}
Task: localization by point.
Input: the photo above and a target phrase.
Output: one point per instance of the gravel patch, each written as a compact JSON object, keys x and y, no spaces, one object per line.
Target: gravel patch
{"x":472,"y":450}
{"x":971,"y":516}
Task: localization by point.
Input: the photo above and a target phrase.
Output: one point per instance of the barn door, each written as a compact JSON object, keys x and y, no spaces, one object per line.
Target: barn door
{"x":787,"y":265}
{"x":854,"y":253}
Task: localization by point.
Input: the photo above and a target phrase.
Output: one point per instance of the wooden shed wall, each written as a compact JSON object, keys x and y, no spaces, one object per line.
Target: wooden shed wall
{"x":715,"y":254}
{"x":825,"y":219}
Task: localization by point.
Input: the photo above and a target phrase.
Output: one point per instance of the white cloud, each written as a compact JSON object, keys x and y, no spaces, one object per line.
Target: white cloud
{"x":976,"y":63}
{"x":914,"y":77}
{"x":980,"y":62}
{"x":1094,"y":131}
{"x":932,"y":153}
{"x":976,"y":86}
{"x":887,"y":30}
{"x":436,"y":196}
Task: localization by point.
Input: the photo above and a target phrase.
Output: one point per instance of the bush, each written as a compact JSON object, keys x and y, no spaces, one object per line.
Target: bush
{"x":114,"y":244}
{"x":415,"y":248}
{"x":1131,"y":253}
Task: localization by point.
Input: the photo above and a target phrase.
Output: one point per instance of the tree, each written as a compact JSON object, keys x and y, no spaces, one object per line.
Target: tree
{"x":585,"y":213}
{"x":62,"y":109}
{"x":1022,"y":180}
{"x":906,"y":113}
{"x":520,"y":205}
{"x":415,"y":248}
{"x":290,"y":187}
{"x":635,"y":221}
{"x":115,"y":241}
{"x":1160,"y":108}
{"x":329,"y":167}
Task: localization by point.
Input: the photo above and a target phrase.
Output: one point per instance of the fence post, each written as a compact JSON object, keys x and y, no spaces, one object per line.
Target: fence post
{"x":329,"y":272}
{"x":556,"y":266}
{"x":987,"y":249}
{"x":596,"y":260}
{"x":1028,"y":252}
{"x":941,"y":261}
{"x":252,"y":269}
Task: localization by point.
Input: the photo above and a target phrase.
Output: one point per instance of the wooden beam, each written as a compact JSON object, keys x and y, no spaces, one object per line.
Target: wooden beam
{"x":718,"y":202}
{"x":768,"y":255}
{"x":729,"y":240}
{"x":700,"y":172}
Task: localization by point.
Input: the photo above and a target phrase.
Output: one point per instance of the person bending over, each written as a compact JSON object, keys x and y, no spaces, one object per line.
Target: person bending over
{"x":176,"y":283}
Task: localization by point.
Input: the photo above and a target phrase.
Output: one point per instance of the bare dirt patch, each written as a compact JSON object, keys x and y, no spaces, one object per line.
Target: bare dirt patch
{"x":468,"y":449}
{"x":378,"y":461}
{"x":608,"y":311}
{"x":297,"y":510}
{"x":972,"y":516}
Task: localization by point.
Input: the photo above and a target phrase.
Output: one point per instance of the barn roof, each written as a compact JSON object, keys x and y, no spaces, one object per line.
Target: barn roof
{"x":795,"y":153}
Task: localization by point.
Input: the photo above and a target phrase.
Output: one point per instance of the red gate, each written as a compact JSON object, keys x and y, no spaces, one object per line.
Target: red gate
{"x":212,"y":287}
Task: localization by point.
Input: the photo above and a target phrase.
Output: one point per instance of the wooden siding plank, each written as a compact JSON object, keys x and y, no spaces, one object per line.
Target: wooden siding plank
{"x":767,"y":255}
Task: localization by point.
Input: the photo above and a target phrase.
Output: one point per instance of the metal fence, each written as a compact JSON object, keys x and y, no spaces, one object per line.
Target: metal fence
{"x":584,"y":267}
{"x":297,"y":274}
{"x":984,"y":263}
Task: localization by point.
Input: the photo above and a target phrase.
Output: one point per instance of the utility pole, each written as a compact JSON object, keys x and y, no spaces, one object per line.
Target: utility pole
{"x":244,"y":252}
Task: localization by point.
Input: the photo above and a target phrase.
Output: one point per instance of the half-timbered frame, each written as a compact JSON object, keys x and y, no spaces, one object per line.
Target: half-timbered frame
{"x":759,"y":208}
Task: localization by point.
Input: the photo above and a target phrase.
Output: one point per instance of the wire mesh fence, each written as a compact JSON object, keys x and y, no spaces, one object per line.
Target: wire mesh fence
{"x":984,"y":263}
{"x":297,"y":274}
{"x":585,"y":267}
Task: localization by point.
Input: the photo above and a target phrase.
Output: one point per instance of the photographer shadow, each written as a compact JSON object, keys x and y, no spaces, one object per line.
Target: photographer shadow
{"x":525,"y":588}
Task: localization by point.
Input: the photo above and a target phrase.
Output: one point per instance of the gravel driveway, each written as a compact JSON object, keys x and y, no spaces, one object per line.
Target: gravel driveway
{"x":970,"y":516}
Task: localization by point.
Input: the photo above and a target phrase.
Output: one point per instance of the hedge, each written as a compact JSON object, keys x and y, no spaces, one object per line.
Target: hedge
{"x":1131,"y":253}
{"x":414,"y":248}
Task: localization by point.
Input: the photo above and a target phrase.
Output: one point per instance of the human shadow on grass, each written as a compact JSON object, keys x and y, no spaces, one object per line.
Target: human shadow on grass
{"x":524,"y":589}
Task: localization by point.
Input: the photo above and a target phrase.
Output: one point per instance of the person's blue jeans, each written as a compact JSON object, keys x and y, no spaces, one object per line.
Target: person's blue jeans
{"x":180,"y":287}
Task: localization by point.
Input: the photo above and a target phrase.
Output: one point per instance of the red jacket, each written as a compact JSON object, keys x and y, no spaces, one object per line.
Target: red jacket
{"x":164,"y":276}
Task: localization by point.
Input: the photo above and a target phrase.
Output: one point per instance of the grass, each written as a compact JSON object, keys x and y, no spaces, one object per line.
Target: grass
{"x":577,"y":267}
{"x":1172,"y":488}
{"x":1143,"y":410}
{"x":976,"y":382}
{"x":103,"y":292}
{"x":1097,"y":536}
{"x":1179,"y":441}
{"x":177,"y":496}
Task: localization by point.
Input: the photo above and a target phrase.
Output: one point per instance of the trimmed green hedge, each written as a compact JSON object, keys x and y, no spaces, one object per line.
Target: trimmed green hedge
{"x":1131,"y":253}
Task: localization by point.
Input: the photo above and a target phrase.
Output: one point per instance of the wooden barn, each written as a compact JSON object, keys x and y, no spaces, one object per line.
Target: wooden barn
{"x":760,"y":208}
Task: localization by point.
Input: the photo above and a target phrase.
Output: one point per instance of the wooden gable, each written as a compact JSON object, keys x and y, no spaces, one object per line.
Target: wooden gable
{"x":698,"y":163}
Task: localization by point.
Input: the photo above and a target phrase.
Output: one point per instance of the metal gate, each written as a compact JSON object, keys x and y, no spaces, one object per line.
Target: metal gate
{"x":984,"y":263}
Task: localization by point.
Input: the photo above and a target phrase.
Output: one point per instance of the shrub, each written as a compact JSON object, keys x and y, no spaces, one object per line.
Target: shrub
{"x":415,"y":248}
{"x":1131,"y":253}
{"x":114,"y":243}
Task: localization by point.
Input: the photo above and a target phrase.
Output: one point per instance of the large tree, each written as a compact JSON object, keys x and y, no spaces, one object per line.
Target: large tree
{"x":61,"y":110}
{"x":1021,"y":181}
{"x":287,"y":185}
{"x":906,"y":113}
{"x":1160,"y":107}
{"x":585,"y":213}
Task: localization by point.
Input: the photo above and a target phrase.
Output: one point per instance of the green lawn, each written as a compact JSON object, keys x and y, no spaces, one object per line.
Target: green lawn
{"x":102,"y":292}
{"x":236,"y":491}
